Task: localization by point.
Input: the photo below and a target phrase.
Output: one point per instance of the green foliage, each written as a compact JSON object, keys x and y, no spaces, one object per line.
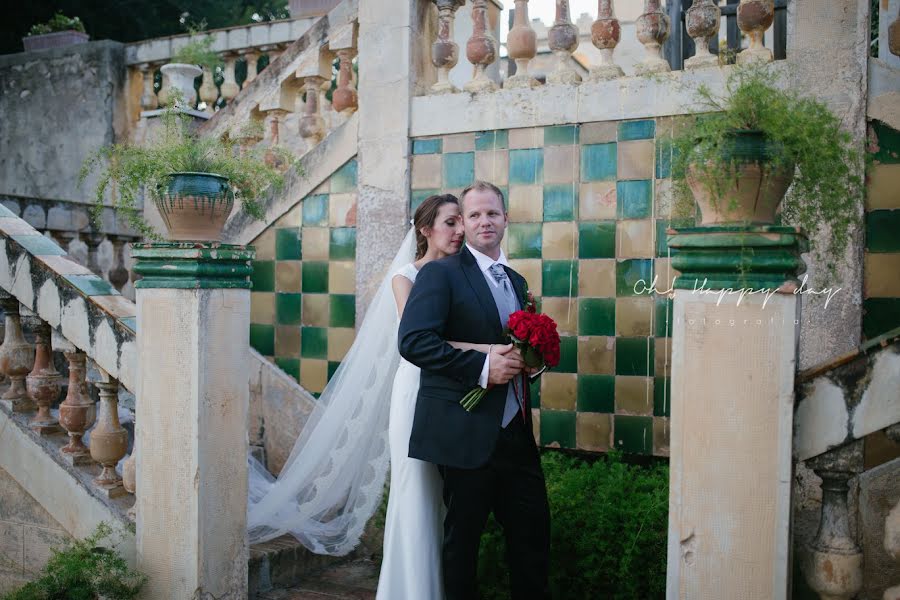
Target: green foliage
{"x":609,"y":522}
{"x":802,"y":134}
{"x":198,"y":51}
{"x":59,"y":22}
{"x":84,"y":570}
{"x":129,"y":170}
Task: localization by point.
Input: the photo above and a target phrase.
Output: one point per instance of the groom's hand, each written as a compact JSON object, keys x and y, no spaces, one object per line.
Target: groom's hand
{"x":506,"y":362}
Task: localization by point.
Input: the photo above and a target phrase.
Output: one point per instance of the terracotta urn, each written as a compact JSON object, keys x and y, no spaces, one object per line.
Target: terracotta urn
{"x":179,"y":77}
{"x":195,"y":206}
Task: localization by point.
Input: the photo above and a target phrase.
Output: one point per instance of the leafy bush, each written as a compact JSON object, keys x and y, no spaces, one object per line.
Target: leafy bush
{"x":198,"y":52}
{"x":609,"y":522}
{"x":59,"y":22}
{"x":84,"y":570}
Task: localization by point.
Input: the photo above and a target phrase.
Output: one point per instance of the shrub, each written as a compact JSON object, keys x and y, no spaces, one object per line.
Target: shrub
{"x":59,"y":22}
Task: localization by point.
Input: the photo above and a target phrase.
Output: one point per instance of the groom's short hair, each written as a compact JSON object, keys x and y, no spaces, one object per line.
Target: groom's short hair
{"x":482,"y":186}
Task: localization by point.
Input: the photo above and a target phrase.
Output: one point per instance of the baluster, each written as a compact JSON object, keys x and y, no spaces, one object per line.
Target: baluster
{"x":230,"y":88}
{"x":129,"y":478}
{"x":209,"y":93}
{"x":521,"y":44}
{"x":274,"y":53}
{"x":563,"y":41}
{"x":481,"y":50}
{"x":754,"y":17}
{"x":652,"y":31}
{"x":702,"y":24}
{"x":16,"y":359}
{"x":118,"y":274}
{"x":894,"y":41}
{"x":344,"y":99}
{"x":312,"y":125}
{"x":275,"y":120}
{"x":605,"y":35}
{"x":43,"y":383}
{"x":149,"y":101}
{"x":252,"y":58}
{"x":77,"y":412}
{"x":109,"y":440}
{"x":444,"y":51}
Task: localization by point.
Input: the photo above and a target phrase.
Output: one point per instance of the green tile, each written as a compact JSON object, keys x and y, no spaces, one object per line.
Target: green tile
{"x":633,"y":435}
{"x":535,"y":395}
{"x":524,"y":240}
{"x":597,"y":239}
{"x":262,"y":338}
{"x":344,"y":179}
{"x":665,"y":155}
{"x":634,"y":199}
{"x":662,"y":245}
{"x":663,"y":317}
{"x":568,"y":355}
{"x":313,"y":342}
{"x":38,"y":245}
{"x":560,"y":278}
{"x":558,"y":428}
{"x":880,"y":315}
{"x":263,"y":277}
{"x":596,"y":393}
{"x":342,"y":245}
{"x":492,"y":140}
{"x":419,"y":196}
{"x":662,"y":396}
{"x":888,"y":143}
{"x":459,"y":169}
{"x":287,"y":309}
{"x":343,"y":310}
{"x":634,"y":356}
{"x":432,"y":146}
{"x":598,"y":162}
{"x":596,"y":316}
{"x":287,"y":244}
{"x":561,"y":135}
{"x":314,"y":277}
{"x":883,"y":230}
{"x":629,"y":273}
{"x":332,"y":368}
{"x":526,"y":167}
{"x":315,"y":211}
{"x":92,"y":285}
{"x":636,"y":130}
{"x":291,"y":366}
{"x":560,"y":202}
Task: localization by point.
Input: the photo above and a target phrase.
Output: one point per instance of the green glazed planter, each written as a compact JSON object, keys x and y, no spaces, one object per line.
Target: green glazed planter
{"x":195,"y":206}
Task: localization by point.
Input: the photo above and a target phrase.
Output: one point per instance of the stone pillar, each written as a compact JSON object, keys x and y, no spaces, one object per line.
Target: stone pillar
{"x":733,"y":364}
{"x":702,"y":24}
{"x":481,"y":50}
{"x":252,"y":58}
{"x":16,"y":358}
{"x":43,"y":383}
{"x":652,"y":31}
{"x":345,"y":99}
{"x":109,"y":440}
{"x":230,"y":88}
{"x":209,"y":93}
{"x":563,"y":41}
{"x":522,"y":47}
{"x":605,"y":35}
{"x":193,"y":314}
{"x":444,"y":51}
{"x":149,"y":101}
{"x":754,"y":17}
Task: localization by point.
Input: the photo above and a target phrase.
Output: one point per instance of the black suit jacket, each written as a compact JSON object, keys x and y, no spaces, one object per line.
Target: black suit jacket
{"x":451,"y":301}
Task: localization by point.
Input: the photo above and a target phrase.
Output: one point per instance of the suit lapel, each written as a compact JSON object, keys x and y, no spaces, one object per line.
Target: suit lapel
{"x":480,"y":287}
{"x":518,"y":285}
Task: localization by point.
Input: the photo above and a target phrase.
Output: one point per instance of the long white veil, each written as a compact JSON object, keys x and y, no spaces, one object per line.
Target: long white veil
{"x":333,"y":479}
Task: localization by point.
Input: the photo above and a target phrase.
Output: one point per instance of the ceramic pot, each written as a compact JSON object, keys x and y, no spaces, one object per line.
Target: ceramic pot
{"x":195,"y":206}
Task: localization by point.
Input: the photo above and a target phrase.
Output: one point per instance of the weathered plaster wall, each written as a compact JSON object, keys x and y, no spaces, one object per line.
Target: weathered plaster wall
{"x":58,"y":106}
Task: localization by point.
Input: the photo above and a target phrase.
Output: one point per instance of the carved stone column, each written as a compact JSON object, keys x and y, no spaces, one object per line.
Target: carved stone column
{"x":209,"y":93}
{"x":77,"y":412}
{"x":481,"y":50}
{"x":149,"y":101}
{"x":229,"y":88}
{"x":109,"y":440}
{"x":702,"y":24}
{"x":652,"y":31}
{"x":344,"y":99}
{"x":252,"y":58}
{"x":605,"y":34}
{"x":563,"y":41}
{"x":43,"y":383}
{"x":16,"y":359}
{"x":118,"y":274}
{"x":754,"y":17}
{"x":444,"y":51}
{"x":521,"y":44}
{"x":312,"y":124}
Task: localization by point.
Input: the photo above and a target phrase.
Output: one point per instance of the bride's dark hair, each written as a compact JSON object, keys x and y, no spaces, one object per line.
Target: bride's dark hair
{"x":426,"y":215}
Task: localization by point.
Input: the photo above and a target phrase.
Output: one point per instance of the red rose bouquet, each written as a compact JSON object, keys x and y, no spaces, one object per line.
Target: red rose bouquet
{"x":536,"y":337}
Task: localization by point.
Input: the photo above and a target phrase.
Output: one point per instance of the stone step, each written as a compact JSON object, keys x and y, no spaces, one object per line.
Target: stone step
{"x":356,"y":579}
{"x":282,"y":563}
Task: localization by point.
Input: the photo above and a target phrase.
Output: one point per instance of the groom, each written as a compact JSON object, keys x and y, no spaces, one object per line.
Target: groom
{"x":487,"y":457}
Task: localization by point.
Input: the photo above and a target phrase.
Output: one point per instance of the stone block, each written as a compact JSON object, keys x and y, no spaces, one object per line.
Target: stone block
{"x":12,"y":547}
{"x":38,"y":543}
{"x":879,"y":492}
{"x":17,"y":505}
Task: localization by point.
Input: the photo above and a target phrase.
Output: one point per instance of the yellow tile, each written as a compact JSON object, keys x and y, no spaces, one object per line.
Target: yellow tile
{"x":634,"y":239}
{"x":560,"y":240}
{"x":530,"y":269}
{"x":634,"y":316}
{"x":316,"y":310}
{"x":454,"y":191}
{"x":882,"y":275}
{"x":561,"y":164}
{"x":339,"y":341}
{"x":559,"y":391}
{"x":597,"y":201}
{"x":660,"y":436}
{"x":532,"y":137}
{"x":262,"y":307}
{"x":593,"y":431}
{"x":287,"y":341}
{"x":564,"y":311}
{"x":634,"y":395}
{"x":291,"y":218}
{"x":287,"y":276}
{"x":314,"y":243}
{"x":313,"y":374}
{"x":662,"y":357}
{"x":597,"y":355}
{"x":598,"y":133}
{"x":526,"y":203}
{"x":342,"y":210}
{"x":597,"y":278}
{"x":665,"y":276}
{"x":426,"y":171}
{"x":492,"y":166}
{"x":883,"y":187}
{"x":460,"y":142}
{"x":265,"y":245}
{"x":342,"y":277}
{"x":635,"y":159}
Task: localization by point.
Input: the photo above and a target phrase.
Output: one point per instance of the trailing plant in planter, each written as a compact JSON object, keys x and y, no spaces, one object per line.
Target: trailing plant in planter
{"x":59,"y":31}
{"x":59,"y":22}
{"x":759,"y":144}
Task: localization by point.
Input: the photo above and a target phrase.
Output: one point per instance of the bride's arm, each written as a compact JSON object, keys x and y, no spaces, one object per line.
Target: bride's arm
{"x":467,"y":346}
{"x":401,"y":286}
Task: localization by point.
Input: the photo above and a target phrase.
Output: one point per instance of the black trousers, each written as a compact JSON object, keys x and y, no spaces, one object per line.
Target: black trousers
{"x":511,"y":485}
